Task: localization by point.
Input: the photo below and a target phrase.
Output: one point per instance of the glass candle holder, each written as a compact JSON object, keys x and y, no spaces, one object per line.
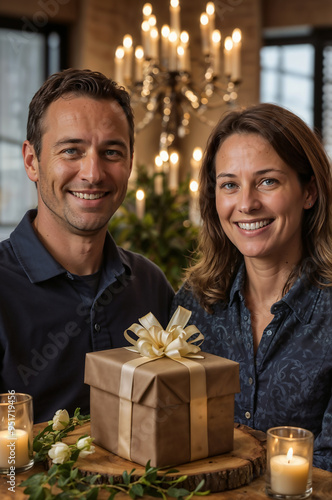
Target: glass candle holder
{"x":289,"y":463}
{"x":16,"y":433}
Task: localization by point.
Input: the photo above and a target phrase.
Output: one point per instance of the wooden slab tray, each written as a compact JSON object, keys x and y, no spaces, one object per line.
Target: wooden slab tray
{"x":223,"y":472}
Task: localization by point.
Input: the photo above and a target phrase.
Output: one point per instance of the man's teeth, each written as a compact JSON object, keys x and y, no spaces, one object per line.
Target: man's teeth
{"x":253,"y":225}
{"x":87,"y":196}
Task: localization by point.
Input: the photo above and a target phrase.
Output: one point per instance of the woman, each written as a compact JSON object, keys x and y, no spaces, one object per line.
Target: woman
{"x":261,"y":290}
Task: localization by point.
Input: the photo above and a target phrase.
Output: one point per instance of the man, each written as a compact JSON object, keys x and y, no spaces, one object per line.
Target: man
{"x":66,"y":288}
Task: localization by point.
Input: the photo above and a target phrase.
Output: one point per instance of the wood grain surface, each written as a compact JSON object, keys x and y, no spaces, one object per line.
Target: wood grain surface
{"x":255,"y":490}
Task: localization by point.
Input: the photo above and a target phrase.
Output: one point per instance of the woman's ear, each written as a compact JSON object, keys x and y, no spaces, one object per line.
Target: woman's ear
{"x":30,"y":161}
{"x":312,"y":193}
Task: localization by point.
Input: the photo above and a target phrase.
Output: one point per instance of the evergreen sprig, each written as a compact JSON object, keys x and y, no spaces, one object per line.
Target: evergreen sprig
{"x":66,"y":482}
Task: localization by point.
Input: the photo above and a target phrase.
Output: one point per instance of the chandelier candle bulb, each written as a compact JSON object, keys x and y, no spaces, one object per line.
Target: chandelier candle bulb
{"x":119,"y":63}
{"x":196,"y":162}
{"x":210,"y":10}
{"x":228,"y":47}
{"x":139,"y":56}
{"x":173,"y":42}
{"x":216,"y":38}
{"x":236,"y":55}
{"x":145,"y":28}
{"x":140,"y":204}
{"x":173,"y":178}
{"x":158,"y":180}
{"x":165,"y":31}
{"x":174,"y":10}
{"x":128,"y":57}
{"x":204,"y":23}
{"x":154,"y":38}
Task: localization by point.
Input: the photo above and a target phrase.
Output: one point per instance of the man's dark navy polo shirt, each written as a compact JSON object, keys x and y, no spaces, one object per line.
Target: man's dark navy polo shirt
{"x":49,"y":319}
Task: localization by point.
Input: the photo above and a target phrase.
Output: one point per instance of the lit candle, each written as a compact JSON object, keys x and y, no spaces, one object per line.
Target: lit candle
{"x":289,"y":474}
{"x":236,"y":55}
{"x":173,"y":43}
{"x":140,"y":203}
{"x":228,"y":47}
{"x":14,"y":445}
{"x":216,"y":37}
{"x":173,"y":176}
{"x":194,"y":214}
{"x":196,"y":162}
{"x":154,"y":38}
{"x":204,"y":20}
{"x":118,"y":61}
{"x":158,"y":180}
{"x":146,"y":38}
{"x":174,"y":9}
{"x":210,"y":10}
{"x":180,"y":58}
{"x":165,"y":32}
{"x":139,"y":55}
{"x":128,"y":57}
{"x":184,"y":37}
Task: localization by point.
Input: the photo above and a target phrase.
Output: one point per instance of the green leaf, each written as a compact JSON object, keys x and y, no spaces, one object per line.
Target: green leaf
{"x":137,"y":490}
{"x":177,"y":492}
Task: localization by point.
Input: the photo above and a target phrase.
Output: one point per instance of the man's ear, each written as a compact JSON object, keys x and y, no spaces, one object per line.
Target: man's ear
{"x":30,"y":161}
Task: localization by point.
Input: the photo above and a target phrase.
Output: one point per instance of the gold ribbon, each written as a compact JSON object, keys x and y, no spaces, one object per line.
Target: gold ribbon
{"x":153,"y":343}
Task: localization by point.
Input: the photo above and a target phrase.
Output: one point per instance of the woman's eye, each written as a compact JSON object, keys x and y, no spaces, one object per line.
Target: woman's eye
{"x":228,"y":186}
{"x":269,"y":182}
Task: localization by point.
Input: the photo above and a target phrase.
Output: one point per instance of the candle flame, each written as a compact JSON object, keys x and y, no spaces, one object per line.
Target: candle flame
{"x":228,"y":43}
{"x":204,"y":19}
{"x":119,"y":53}
{"x":184,"y":37}
{"x":165,"y":31}
{"x":139,"y":52}
{"x":216,"y":36}
{"x":127,"y":41}
{"x":197,"y":154}
{"x":236,"y":36}
{"x":140,"y":194}
{"x":193,"y":186}
{"x":147,"y":9}
{"x":174,"y":3}
{"x":290,"y":455}
{"x":210,"y":8}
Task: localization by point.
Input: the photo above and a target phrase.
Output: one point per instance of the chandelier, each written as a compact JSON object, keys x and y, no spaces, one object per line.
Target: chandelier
{"x":158,"y":76}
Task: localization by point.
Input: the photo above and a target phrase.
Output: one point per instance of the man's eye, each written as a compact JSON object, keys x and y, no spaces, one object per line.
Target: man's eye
{"x":70,"y":151}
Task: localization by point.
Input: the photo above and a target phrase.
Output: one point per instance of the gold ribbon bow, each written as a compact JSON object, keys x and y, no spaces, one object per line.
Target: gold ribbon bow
{"x":174,"y":342}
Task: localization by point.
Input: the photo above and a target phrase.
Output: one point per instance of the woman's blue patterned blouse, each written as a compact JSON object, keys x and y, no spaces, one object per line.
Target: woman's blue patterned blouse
{"x":289,"y":381}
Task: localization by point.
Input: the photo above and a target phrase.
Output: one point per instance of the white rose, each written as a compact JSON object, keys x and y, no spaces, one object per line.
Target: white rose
{"x":60,"y":420}
{"x":85,"y":445}
{"x":59,"y":453}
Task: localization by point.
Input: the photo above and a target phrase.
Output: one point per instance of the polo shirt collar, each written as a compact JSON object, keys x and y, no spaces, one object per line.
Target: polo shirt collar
{"x":38,"y":263}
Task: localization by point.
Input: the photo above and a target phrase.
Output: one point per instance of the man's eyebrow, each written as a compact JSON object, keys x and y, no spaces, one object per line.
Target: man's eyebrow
{"x":73,"y":140}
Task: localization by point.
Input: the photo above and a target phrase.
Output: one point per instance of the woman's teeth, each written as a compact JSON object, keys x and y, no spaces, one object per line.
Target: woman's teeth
{"x":250,"y":226}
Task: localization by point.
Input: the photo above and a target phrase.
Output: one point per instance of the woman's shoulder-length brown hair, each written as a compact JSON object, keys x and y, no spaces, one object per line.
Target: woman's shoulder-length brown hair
{"x":210,"y":278}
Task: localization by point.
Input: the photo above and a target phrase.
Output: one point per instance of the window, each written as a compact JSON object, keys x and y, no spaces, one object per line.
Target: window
{"x":26,"y":59}
{"x":296,"y":73}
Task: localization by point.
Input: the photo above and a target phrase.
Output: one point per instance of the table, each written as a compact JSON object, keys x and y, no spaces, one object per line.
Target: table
{"x":322,"y":484}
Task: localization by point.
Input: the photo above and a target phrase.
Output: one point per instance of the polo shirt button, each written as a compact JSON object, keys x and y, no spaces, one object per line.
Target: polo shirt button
{"x":97,"y":327}
{"x":269,"y":332}
{"x":247,"y":414}
{"x":250,"y":380}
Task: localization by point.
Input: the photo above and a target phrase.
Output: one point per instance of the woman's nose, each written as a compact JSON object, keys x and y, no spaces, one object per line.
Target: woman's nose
{"x":249,"y":200}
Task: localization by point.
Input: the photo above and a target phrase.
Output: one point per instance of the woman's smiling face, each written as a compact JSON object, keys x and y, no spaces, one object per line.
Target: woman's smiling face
{"x":259,"y":199}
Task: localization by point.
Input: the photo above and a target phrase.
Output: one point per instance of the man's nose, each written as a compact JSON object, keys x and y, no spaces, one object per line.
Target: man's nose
{"x":92,"y":169}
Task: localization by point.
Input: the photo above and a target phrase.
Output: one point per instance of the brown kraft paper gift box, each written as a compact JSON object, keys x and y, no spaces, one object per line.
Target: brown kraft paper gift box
{"x":160,"y":426}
